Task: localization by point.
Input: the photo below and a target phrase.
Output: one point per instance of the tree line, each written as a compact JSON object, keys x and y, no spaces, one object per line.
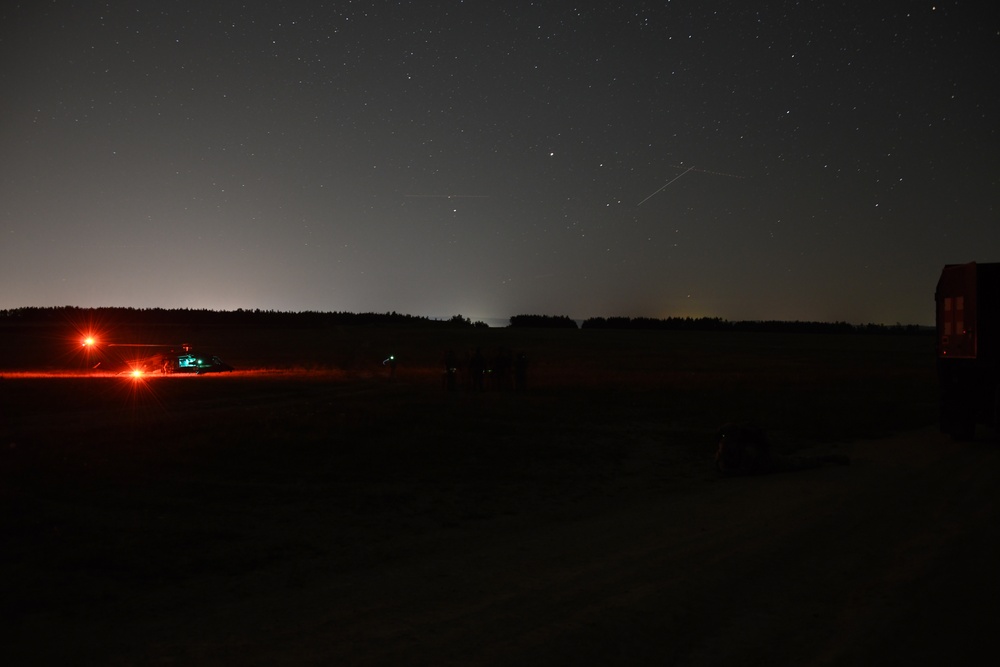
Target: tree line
{"x":769,"y":326}
{"x":223,"y":318}
{"x":708,"y":324}
{"x":314,"y":319}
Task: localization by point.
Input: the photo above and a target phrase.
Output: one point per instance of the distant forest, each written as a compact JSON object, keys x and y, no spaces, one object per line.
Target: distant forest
{"x":267,"y":319}
{"x":312,"y":320}
{"x":774,"y":326}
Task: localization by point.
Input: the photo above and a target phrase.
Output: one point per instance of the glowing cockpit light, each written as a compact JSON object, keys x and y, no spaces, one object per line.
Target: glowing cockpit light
{"x":89,"y":341}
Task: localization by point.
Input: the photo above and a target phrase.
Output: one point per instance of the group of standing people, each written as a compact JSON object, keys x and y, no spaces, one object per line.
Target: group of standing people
{"x":503,"y":372}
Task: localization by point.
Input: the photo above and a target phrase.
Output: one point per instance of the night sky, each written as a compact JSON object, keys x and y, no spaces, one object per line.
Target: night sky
{"x":821,"y":160}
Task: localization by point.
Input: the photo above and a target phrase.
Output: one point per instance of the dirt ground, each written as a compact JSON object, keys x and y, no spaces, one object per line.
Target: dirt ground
{"x":155,"y":544}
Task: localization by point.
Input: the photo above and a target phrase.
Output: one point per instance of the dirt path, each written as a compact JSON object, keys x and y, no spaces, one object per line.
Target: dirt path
{"x":889,"y":560}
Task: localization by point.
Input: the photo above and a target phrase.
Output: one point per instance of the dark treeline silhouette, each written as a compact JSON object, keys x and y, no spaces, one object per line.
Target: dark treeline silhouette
{"x":769,"y":326}
{"x":460,"y":321}
{"x":316,"y":320}
{"x":542,"y":322}
{"x":226,"y":318}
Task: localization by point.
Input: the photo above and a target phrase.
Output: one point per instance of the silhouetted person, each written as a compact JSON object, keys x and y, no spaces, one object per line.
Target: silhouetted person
{"x":501,"y":369}
{"x":477,"y":368}
{"x":744,"y":450}
{"x":520,"y":372}
{"x":390,"y":361}
{"x":450,"y":371}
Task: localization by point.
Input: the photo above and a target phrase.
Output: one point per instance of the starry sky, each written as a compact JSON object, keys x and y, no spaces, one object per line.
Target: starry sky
{"x":810,"y":160}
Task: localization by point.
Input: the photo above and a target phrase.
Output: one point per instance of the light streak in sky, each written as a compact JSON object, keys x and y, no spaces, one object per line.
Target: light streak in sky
{"x":707,"y":171}
{"x":665,"y":185}
{"x":686,"y":170}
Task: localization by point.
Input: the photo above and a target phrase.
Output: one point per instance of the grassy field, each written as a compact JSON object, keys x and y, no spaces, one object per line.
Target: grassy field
{"x":319,"y":407}
{"x":313,"y":456}
{"x":806,"y":386}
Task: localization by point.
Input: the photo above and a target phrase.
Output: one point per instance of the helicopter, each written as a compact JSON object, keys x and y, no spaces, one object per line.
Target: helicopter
{"x":188,"y":361}
{"x":170,"y":360}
